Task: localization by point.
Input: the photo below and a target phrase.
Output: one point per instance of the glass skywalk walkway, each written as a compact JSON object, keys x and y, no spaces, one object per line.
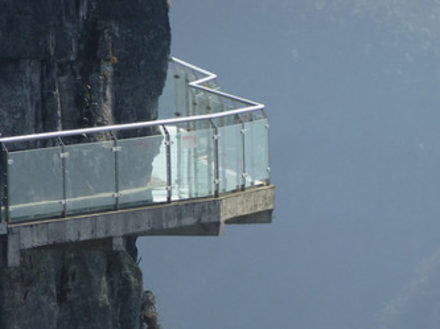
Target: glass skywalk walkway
{"x":216,"y":143}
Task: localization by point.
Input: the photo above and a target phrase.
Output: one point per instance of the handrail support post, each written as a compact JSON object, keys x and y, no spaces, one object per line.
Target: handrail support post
{"x":63,"y":157}
{"x":243,"y":150}
{"x":5,"y":187}
{"x":168,"y":156}
{"x":116,"y":149}
{"x":216,"y":160}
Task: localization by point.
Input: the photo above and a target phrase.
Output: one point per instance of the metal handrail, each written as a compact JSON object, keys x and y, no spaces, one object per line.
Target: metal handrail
{"x":254,"y":106}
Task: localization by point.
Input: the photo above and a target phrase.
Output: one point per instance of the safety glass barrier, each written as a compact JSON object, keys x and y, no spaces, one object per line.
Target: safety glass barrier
{"x":3,"y":184}
{"x":194,"y":75}
{"x":217,"y":104}
{"x":230,"y":148}
{"x":192,"y":163}
{"x":90,"y":177}
{"x":256,"y":152}
{"x":181,"y":90}
{"x":35,"y":184}
{"x":188,"y":159}
{"x":201,"y":102}
{"x":180,"y":99}
{"x":201,"y":106}
{"x":142,"y":174}
{"x":167,"y":100}
{"x":122,"y":173}
{"x":190,"y":92}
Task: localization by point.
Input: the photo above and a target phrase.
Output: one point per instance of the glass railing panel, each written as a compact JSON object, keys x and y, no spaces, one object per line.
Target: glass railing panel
{"x":201,"y":106}
{"x":35,"y":184}
{"x":142,"y":171}
{"x":227,"y":120}
{"x":257,"y":152}
{"x":216,"y":104}
{"x":3,"y":177}
{"x":167,"y":100}
{"x":202,"y":103}
{"x":181,"y":90}
{"x":230,"y":144}
{"x":191,"y":92}
{"x":178,"y":171}
{"x":90,"y":177}
{"x":192,"y":154}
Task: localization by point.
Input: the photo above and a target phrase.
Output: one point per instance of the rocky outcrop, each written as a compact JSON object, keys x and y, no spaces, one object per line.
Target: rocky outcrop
{"x":79,"y":63}
{"x":67,"y":64}
{"x":69,"y":287}
{"x":148,"y":312}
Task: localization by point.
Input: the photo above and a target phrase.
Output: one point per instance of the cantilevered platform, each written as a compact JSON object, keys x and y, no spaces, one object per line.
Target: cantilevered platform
{"x":187,"y":175}
{"x":192,"y":217}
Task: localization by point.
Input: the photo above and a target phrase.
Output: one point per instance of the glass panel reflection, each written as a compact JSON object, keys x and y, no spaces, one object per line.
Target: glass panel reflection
{"x":35,"y":184}
{"x":142,"y":173}
{"x":90,"y":177}
{"x":192,"y":154}
{"x":230,"y":158}
{"x":257,"y":152}
{"x":181,"y":93}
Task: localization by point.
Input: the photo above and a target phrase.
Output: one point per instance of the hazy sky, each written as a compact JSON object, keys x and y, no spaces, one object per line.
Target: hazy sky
{"x":352,"y":92}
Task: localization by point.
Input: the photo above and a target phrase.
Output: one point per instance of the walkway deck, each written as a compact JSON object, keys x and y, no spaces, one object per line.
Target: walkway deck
{"x":189,"y":176}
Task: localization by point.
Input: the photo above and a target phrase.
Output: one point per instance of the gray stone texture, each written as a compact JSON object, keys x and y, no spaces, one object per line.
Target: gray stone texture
{"x":67,"y":288}
{"x":80,"y":63}
{"x":68,"y":64}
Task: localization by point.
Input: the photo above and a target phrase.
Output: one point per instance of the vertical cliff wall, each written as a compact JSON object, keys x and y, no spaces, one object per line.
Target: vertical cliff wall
{"x":75,"y":63}
{"x":67,"y":64}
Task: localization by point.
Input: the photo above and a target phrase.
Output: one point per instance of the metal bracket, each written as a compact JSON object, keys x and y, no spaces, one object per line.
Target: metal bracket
{"x":117,"y":194}
{"x":10,"y":162}
{"x":64,"y":155}
{"x":116,"y":149}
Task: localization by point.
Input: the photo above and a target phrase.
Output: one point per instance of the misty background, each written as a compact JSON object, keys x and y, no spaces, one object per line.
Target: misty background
{"x":352,"y":92}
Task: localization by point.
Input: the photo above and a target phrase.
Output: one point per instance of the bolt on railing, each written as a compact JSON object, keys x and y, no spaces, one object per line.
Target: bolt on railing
{"x":220,"y":146}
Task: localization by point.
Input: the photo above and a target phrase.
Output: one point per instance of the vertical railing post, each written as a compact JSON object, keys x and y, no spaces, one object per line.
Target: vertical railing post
{"x":176,"y":91}
{"x":6,"y":193}
{"x":267,"y":126}
{"x":187,"y":105}
{"x":4,"y":180}
{"x":223,"y":146}
{"x":116,"y":149}
{"x":208,"y":167}
{"x":192,"y":99}
{"x":168,"y":155}
{"x":243,"y":148}
{"x":63,"y":156}
{"x":179,"y":173}
{"x":216,"y":160}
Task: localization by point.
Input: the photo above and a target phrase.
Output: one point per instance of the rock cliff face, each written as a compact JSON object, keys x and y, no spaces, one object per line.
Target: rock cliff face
{"x":76,"y":63}
{"x":67,"y":64}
